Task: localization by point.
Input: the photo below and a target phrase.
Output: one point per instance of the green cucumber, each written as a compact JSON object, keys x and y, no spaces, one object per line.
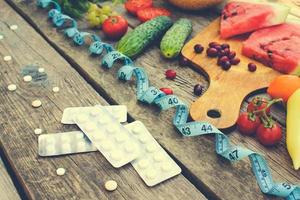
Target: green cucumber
{"x":174,"y":39}
{"x":134,"y":42}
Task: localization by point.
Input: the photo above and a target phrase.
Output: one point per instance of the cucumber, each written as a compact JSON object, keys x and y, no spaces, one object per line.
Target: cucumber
{"x":174,"y":39}
{"x":134,"y":42}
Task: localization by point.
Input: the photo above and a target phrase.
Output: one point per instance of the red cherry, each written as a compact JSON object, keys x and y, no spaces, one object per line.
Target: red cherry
{"x":170,"y":74}
{"x":252,"y":67}
{"x":212,"y":52}
{"x":167,"y":91}
{"x":235,"y":61}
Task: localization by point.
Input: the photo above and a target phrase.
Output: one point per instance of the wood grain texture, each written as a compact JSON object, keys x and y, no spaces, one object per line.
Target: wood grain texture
{"x":237,"y":81}
{"x":85,"y":173}
{"x":7,"y":188}
{"x":215,"y":176}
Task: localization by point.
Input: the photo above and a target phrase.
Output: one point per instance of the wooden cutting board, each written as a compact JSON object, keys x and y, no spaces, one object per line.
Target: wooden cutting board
{"x":227,"y":89}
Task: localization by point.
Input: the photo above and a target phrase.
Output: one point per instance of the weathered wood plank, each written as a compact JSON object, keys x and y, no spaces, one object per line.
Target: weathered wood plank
{"x":219,"y":178}
{"x":86,"y":173}
{"x":7,"y":188}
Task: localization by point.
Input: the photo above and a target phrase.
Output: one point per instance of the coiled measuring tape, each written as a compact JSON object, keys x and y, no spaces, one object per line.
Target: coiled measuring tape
{"x":151,"y":95}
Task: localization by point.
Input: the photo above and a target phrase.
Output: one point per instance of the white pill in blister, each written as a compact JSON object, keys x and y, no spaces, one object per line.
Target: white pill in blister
{"x":151,"y":174}
{"x":55,"y":89}
{"x":27,"y":78}
{"x":116,"y":155}
{"x":106,"y":145}
{"x":129,"y":148}
{"x":41,"y":70}
{"x":11,"y":87}
{"x":82,"y":118}
{"x":143,"y":139}
{"x":166,"y":167}
{"x":136,"y":130}
{"x":36,"y":103}
{"x":38,"y":131}
{"x":95,"y":112}
{"x":60,"y":171}
{"x":111,"y":185}
{"x":112,"y":129}
{"x":158,"y":157}
{"x":1,"y":37}
{"x":121,"y":138}
{"x":13,"y":27}
{"x":7,"y":58}
{"x":90,"y":126}
{"x":143,"y":164}
{"x":151,"y":148}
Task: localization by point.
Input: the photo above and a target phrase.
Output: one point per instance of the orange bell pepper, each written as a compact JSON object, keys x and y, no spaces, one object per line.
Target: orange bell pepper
{"x":284,"y":86}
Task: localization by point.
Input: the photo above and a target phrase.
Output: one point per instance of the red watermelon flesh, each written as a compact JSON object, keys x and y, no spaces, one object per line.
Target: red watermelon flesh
{"x":277,"y":47}
{"x":240,"y":17}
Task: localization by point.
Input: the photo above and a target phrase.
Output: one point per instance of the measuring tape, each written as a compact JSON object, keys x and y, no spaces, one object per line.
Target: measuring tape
{"x":152,"y":95}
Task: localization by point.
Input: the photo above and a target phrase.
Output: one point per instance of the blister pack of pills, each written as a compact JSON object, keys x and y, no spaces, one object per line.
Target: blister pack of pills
{"x":112,"y":139}
{"x":55,"y":144}
{"x":119,"y":111}
{"x":154,"y":164}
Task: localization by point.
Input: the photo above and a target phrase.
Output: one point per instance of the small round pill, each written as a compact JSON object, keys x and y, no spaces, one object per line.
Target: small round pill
{"x":143,"y":139}
{"x":36,"y":103}
{"x":38,"y":131}
{"x":116,"y":155}
{"x":60,"y":171}
{"x":151,"y":174}
{"x":95,"y":112}
{"x":82,"y":118}
{"x":55,"y":89}
{"x":111,"y":185}
{"x":151,"y":148}
{"x":112,"y":129}
{"x":121,"y":138}
{"x":11,"y":87}
{"x":158,"y":157}
{"x":27,"y":78}
{"x":7,"y":58}
{"x":13,"y":27}
{"x":1,"y":37}
{"x":136,"y":130}
{"x":166,"y":167}
{"x":143,"y":164}
{"x":129,"y":148}
{"x":41,"y":70}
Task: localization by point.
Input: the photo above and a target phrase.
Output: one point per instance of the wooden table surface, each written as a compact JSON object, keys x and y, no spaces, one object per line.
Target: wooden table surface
{"x":83,"y":82}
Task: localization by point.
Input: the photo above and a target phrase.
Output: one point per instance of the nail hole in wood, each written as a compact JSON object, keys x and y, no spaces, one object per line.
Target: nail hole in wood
{"x":214,"y":113}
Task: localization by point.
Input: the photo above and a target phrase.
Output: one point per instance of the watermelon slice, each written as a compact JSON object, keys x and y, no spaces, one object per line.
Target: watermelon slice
{"x":240,"y":17}
{"x":277,"y":47}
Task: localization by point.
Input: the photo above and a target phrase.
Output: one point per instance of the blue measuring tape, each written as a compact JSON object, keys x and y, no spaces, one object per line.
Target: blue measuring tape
{"x":151,"y":95}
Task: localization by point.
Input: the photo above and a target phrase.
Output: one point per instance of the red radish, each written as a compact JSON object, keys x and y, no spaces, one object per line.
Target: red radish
{"x":167,"y":91}
{"x":170,"y":74}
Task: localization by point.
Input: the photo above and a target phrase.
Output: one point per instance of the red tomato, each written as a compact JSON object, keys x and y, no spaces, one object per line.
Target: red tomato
{"x":248,"y":123}
{"x":258,"y":103}
{"x":132,"y":6}
{"x":269,"y":136}
{"x":115,"y":27}
{"x":150,"y":13}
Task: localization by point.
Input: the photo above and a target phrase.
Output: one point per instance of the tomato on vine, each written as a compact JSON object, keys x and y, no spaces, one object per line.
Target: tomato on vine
{"x":248,"y":123}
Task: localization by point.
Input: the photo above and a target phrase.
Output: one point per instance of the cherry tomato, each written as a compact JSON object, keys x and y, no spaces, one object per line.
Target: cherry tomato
{"x":269,"y":136}
{"x":150,"y":13}
{"x":115,"y":27}
{"x":248,"y":123}
{"x":132,"y":6}
{"x":258,"y":103}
